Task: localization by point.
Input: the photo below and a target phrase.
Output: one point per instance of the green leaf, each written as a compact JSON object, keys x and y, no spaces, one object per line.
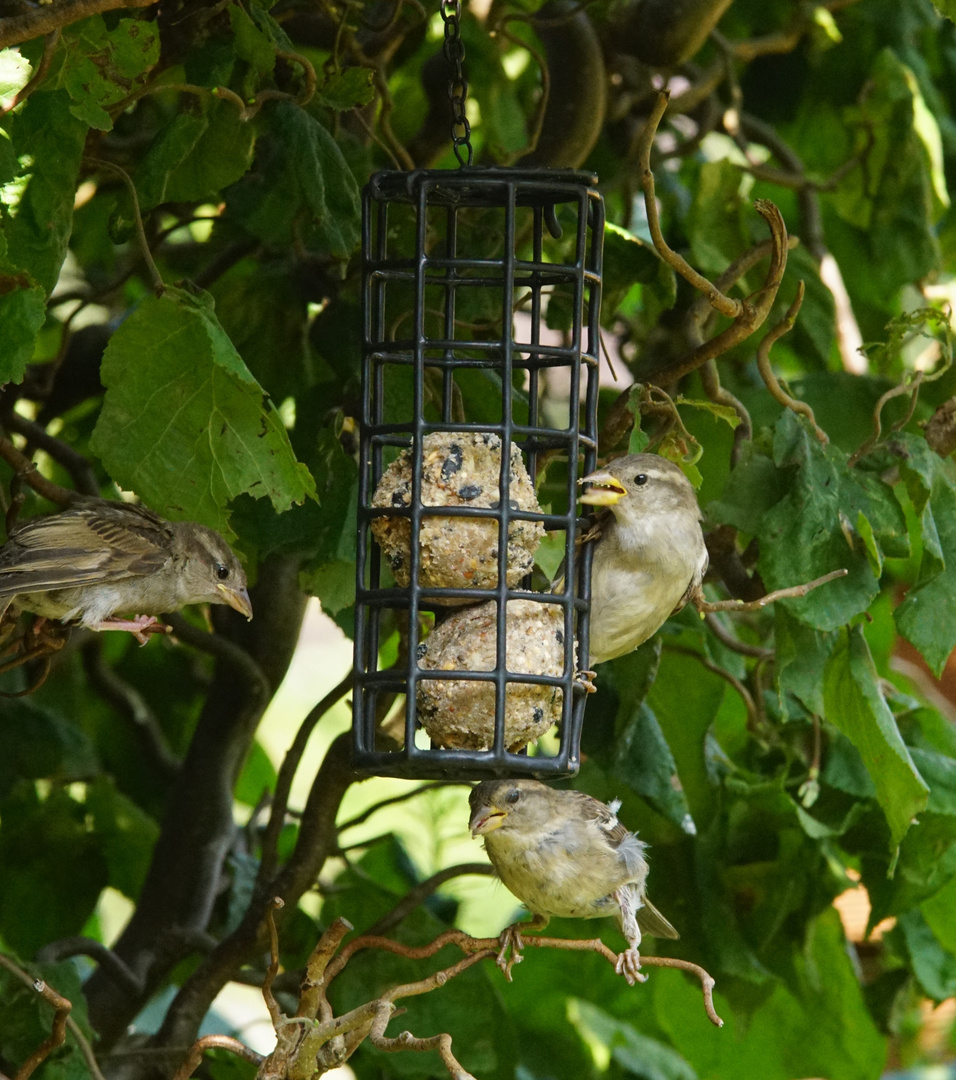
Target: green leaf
{"x":51,"y":868}
{"x":22,"y":313}
{"x":637,"y":1054}
{"x":100,"y":67}
{"x":36,"y":207}
{"x":39,"y":744}
{"x":251,"y":44}
{"x":350,"y":88}
{"x":644,"y":761}
{"x":855,"y":704}
{"x":15,"y":72}
{"x":946,"y":8}
{"x":722,"y":412}
{"x":300,"y":189}
{"x":933,"y":965}
{"x":627,"y":261}
{"x":802,"y":653}
{"x":126,"y":836}
{"x":927,"y":617}
{"x":184,"y":423}
{"x":26,"y":1020}
{"x":801,"y":536}
{"x":716,"y":221}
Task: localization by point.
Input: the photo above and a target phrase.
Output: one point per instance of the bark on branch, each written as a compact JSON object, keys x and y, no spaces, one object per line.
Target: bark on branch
{"x":47,"y":19}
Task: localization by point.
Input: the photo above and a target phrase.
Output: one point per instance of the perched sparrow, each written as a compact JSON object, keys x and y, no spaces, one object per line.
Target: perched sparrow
{"x":565,"y":854}
{"x":649,"y":557}
{"x":100,"y":558}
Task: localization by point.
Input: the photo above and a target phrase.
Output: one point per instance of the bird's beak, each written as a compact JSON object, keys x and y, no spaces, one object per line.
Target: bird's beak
{"x":486,"y":819}
{"x":236,"y":598}
{"x":603,"y":489}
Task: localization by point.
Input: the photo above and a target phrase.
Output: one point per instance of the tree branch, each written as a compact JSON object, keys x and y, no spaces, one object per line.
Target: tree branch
{"x":45,"y":20}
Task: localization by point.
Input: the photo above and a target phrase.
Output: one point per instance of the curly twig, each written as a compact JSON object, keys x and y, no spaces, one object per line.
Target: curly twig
{"x":215,"y":1042}
{"x":62,"y":1022}
{"x":726,"y":305}
{"x":909,"y":385}
{"x":777,"y":392}
{"x":159,"y":286}
{"x":423,"y":890}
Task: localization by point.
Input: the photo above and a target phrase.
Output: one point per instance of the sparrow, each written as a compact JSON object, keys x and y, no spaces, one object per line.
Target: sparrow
{"x":649,"y":555}
{"x":98,"y":559}
{"x":565,"y":854}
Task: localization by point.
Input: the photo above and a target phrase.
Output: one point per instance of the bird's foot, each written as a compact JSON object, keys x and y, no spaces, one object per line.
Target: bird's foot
{"x":141,"y":627}
{"x":509,"y":954}
{"x":629,"y":965}
{"x":586,"y":679}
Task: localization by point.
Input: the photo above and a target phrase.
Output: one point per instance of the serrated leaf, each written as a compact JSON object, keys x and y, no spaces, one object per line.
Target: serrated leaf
{"x":722,"y":412}
{"x":22,"y":313}
{"x":801,"y":536}
{"x":184,"y":423}
{"x":36,"y":207}
{"x":802,"y":653}
{"x":927,"y":617}
{"x":855,"y":704}
{"x":300,"y":190}
{"x":348,"y":89}
{"x":100,"y":66}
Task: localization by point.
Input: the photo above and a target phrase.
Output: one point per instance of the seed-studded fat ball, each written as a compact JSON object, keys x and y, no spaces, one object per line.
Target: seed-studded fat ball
{"x":460,"y":715}
{"x":459,"y":469}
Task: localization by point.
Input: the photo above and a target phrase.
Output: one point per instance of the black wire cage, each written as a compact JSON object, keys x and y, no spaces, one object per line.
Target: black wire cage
{"x":481,"y":295}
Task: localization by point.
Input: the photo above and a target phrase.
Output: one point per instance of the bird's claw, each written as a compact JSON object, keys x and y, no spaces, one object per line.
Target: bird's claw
{"x":586,"y":679}
{"x":629,"y":965}
{"x":510,"y":952}
{"x":141,"y":627}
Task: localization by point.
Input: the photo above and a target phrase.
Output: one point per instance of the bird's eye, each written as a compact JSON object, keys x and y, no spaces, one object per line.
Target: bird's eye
{"x":640,"y":479}
{"x":514,"y":795}
{"x":222,"y":571}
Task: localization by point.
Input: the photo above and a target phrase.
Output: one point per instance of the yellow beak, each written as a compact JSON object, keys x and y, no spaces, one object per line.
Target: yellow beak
{"x":236,"y":598}
{"x":486,"y":819}
{"x":603,"y":489}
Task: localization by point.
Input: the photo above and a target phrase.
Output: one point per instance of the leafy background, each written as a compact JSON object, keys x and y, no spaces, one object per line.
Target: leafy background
{"x":179,"y":317}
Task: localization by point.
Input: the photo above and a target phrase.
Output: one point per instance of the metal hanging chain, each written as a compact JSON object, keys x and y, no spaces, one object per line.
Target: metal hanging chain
{"x":454,"y":49}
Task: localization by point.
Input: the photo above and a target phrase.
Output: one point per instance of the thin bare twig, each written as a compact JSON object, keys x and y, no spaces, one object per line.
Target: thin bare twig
{"x":777,"y":392}
{"x":80,"y":470}
{"x":287,"y":771}
{"x":27,"y":471}
{"x":273,"y":969}
{"x":794,"y":591}
{"x":159,"y":286}
{"x":734,"y":643}
{"x":424,"y":889}
{"x":909,"y":385}
{"x":404,"y":797}
{"x":64,"y":948}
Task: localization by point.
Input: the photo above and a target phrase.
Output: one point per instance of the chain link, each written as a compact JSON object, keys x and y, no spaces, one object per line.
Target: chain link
{"x":454,"y":49}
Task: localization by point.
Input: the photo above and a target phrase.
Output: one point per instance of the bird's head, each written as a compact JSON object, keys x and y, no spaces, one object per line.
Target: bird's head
{"x":211,"y":572}
{"x":640,"y":484}
{"x":509,"y":804}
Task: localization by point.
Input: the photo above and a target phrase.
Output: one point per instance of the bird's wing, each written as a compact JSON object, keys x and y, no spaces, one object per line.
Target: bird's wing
{"x":652,"y":922}
{"x":83,"y":546}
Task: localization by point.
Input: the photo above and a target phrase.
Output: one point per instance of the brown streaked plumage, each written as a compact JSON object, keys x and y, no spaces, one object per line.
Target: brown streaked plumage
{"x":99,"y":559}
{"x":565,"y":854}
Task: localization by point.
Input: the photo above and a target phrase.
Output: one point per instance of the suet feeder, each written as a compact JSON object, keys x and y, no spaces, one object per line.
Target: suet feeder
{"x":465,"y":656}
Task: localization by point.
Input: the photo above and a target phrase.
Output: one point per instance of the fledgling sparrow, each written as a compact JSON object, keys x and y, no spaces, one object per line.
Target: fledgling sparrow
{"x":98,"y":559}
{"x":565,"y":854}
{"x":649,"y":557}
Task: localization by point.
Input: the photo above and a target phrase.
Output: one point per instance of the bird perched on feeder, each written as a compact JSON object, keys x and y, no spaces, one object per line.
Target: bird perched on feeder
{"x":98,"y":558}
{"x":565,"y":854}
{"x":649,"y":556}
